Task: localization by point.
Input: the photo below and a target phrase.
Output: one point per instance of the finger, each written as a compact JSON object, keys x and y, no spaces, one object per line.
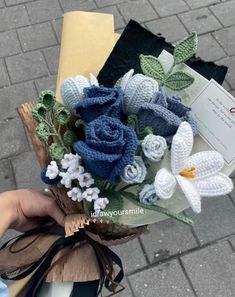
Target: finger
{"x":55,"y":212}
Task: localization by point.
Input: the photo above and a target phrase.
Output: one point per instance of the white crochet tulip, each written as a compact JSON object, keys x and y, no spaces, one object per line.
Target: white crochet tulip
{"x":72,"y":89}
{"x":137,"y":89}
{"x":197,"y":175}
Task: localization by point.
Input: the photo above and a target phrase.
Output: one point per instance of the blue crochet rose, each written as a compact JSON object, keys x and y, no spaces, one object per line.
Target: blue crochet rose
{"x":108,"y":148}
{"x":100,"y":101}
{"x":165,"y":114}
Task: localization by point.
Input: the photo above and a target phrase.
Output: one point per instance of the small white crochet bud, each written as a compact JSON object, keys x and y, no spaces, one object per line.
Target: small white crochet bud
{"x":138,"y":89}
{"x":72,"y":89}
{"x":135,"y":173}
{"x":154,"y":147}
{"x":100,"y":204}
{"x":52,"y":170}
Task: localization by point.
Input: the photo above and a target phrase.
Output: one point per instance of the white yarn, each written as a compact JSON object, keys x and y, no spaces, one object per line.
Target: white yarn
{"x":72,"y":89}
{"x":138,"y":89}
{"x":197,"y":176}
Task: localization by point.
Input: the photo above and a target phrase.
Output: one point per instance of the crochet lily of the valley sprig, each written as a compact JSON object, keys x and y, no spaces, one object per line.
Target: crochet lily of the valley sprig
{"x":197,"y":175}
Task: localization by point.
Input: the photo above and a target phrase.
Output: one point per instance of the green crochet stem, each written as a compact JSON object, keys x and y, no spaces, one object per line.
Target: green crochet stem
{"x":154,"y":207}
{"x":134,"y":123}
{"x":169,"y":72}
{"x":56,"y":133}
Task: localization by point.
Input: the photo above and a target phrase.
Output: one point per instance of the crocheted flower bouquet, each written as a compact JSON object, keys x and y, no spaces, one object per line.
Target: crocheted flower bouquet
{"x":113,"y":158}
{"x":106,"y":146}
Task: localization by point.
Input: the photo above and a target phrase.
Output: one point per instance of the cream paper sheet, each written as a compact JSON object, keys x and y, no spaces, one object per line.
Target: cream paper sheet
{"x":86,"y":42}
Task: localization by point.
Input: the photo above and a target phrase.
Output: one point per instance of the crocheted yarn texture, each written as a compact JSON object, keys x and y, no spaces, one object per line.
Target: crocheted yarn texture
{"x":138,"y":89}
{"x":100,"y":101}
{"x":72,"y":89}
{"x":108,"y":148}
{"x":165,"y":114}
{"x":197,"y":175}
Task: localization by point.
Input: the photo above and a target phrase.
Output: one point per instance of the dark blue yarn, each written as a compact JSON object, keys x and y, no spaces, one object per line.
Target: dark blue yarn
{"x":108,"y":148}
{"x":100,"y":101}
{"x":165,"y":114}
{"x":47,"y":180}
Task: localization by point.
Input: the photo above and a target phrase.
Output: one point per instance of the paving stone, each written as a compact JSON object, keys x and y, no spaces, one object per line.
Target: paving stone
{"x":52,"y":57}
{"x":169,"y":7}
{"x":226,"y":86}
{"x":13,"y":138}
{"x":230,"y":63}
{"x":211,"y":270}
{"x":232,"y":194}
{"x":7,"y":180}
{"x":126,"y":293}
{"x":41,"y":11}
{"x":37,"y":36}
{"x":46,"y":83}
{"x":134,"y":10}
{"x":4,"y":81}
{"x":118,"y":20}
{"x":102,"y":3}
{"x":15,"y":2}
{"x":26,"y":66}
{"x":131,"y":255}
{"x":28,"y":164}
{"x":69,"y":5}
{"x":208,"y":42}
{"x":200,"y":3}
{"x":226,"y":38}
{"x":216,"y":220}
{"x":225,"y":12}
{"x":167,"y":238}
{"x":9,"y":44}
{"x":12,"y":96}
{"x":164,"y":280}
{"x":165,"y":25}
{"x":233,"y":93}
{"x":2,"y":4}
{"x":13,"y":17}
{"x":57,"y":25}
{"x":200,"y":20}
{"x":232,"y":241}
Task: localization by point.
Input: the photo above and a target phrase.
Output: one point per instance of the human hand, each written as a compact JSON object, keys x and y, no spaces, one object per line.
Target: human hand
{"x":23,"y":210}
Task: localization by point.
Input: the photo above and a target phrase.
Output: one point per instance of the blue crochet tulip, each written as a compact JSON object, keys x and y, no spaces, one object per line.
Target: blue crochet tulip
{"x":100,"y":101}
{"x":165,"y":114}
{"x":108,"y":148}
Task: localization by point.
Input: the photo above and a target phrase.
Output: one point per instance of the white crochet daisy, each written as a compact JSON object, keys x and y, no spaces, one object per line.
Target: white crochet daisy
{"x":198,"y":175}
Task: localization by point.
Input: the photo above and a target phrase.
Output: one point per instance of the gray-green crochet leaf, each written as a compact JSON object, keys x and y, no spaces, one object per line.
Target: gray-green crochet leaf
{"x":179,"y":81}
{"x":185,"y":48}
{"x":152,"y":67}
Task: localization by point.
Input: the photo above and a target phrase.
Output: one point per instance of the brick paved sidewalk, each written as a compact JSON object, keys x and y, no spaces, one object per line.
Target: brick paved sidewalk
{"x":174,"y":260}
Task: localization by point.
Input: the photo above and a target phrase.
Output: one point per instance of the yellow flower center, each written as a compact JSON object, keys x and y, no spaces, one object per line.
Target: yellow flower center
{"x":189,"y":172}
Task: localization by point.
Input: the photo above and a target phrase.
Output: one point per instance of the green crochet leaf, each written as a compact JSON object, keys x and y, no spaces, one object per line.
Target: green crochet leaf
{"x":69,"y":138}
{"x":47,"y":97}
{"x":39,"y":112}
{"x":154,"y":207}
{"x":179,"y":81}
{"x":43,"y":132}
{"x":62,"y":115}
{"x":185,"y":48}
{"x":152,"y":67}
{"x":56,"y":151}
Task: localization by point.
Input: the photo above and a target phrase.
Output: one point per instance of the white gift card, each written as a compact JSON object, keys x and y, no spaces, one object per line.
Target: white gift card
{"x":216,"y":124}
